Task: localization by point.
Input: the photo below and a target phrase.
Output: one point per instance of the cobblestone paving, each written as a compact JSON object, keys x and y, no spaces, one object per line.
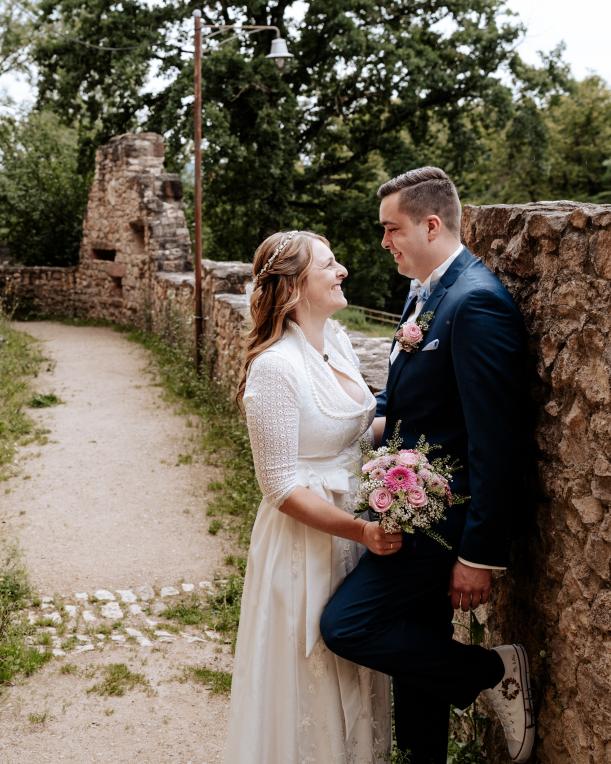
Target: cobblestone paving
{"x":102,"y":619}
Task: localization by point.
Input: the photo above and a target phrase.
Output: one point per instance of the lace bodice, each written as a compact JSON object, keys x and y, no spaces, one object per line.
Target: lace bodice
{"x":298,"y":412}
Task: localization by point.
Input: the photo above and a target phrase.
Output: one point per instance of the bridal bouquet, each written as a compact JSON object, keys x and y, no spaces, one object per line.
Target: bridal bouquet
{"x":404,"y":489}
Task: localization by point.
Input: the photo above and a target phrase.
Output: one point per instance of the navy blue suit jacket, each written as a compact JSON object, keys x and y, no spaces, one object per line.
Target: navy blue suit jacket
{"x":469,"y":396}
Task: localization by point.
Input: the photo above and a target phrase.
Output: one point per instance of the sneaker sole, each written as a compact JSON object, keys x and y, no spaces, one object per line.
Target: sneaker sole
{"x":529,"y":732}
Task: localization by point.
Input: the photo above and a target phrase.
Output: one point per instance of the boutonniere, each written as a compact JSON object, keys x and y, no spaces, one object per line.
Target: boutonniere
{"x":411,"y":333}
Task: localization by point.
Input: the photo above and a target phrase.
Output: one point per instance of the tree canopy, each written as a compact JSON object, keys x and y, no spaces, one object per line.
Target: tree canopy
{"x":373,"y":90}
{"x":42,"y":196}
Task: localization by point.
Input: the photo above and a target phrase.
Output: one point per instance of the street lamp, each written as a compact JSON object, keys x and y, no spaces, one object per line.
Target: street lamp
{"x":279,"y":54}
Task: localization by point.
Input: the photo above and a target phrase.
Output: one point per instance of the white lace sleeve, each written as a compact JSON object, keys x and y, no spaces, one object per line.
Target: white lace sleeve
{"x":272,"y":416}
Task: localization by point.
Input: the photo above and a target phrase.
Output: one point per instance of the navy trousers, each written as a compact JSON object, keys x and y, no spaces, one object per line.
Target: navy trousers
{"x":393,"y":614}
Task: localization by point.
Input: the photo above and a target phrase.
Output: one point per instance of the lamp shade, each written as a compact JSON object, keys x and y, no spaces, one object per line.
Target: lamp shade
{"x":279,"y":52}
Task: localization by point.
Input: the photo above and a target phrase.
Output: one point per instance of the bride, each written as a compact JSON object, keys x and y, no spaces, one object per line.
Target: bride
{"x":307,"y":406}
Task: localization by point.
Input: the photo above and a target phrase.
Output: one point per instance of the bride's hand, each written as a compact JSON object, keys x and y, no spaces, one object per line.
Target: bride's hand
{"x":379,"y":542}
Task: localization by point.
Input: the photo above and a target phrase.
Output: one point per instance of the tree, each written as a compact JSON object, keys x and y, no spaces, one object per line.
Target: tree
{"x":579,"y":126}
{"x":42,"y":195}
{"x":16,"y":29}
{"x":374,"y":89}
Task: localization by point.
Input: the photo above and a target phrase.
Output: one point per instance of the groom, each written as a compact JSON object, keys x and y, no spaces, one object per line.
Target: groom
{"x":463,"y":388}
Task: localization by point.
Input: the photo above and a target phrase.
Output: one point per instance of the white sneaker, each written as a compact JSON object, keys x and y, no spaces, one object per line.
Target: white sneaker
{"x":512,"y":700}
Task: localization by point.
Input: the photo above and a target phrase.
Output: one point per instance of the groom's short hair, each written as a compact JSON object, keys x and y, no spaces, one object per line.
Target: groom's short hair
{"x":426,"y":191}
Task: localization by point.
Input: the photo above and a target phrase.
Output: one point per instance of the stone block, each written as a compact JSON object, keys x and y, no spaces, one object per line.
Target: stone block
{"x":589,"y":508}
{"x":116,"y":270}
{"x":597,"y":554}
{"x":600,"y":252}
{"x":600,"y":613}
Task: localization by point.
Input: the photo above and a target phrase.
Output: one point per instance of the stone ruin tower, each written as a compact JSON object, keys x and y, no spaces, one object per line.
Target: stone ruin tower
{"x":134,"y":227}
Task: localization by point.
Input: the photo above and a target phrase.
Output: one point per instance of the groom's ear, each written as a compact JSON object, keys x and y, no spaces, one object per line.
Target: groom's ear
{"x":434,"y":226}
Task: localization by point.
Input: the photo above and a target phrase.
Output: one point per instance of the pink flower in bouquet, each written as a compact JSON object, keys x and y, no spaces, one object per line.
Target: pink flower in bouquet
{"x":383,"y":461}
{"x":438,"y":484}
{"x":408,"y":458}
{"x":425,"y":474}
{"x":377,"y":473}
{"x":417,"y":497}
{"x":400,"y":478}
{"x":380,"y":499}
{"x":411,"y":332}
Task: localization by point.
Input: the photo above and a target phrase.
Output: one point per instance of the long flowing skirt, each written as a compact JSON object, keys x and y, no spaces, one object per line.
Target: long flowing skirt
{"x":292,"y":700}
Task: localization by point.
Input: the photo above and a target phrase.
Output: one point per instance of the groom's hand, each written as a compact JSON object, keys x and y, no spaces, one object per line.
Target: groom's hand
{"x":469,"y":587}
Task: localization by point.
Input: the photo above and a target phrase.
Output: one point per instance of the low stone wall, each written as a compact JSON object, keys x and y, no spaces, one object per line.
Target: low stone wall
{"x":49,"y":291}
{"x":225,"y":310}
{"x":555,"y":258}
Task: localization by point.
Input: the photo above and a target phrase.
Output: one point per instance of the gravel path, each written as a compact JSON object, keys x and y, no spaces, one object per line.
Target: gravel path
{"x":111,"y":523}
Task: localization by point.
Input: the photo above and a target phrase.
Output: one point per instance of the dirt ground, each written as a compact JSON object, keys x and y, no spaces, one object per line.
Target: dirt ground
{"x":111,"y":503}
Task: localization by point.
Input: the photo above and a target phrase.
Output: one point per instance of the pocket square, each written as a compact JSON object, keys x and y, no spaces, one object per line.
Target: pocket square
{"x":432,"y":345}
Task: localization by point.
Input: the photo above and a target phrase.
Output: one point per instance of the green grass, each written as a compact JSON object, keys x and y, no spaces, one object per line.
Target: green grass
{"x":218,"y":682}
{"x":190,"y":611}
{"x":16,"y":657}
{"x":44,"y":400}
{"x":40,"y":718}
{"x":356,"y":321}
{"x":20,"y":360}
{"x":117,"y":680}
{"x":215,"y":526}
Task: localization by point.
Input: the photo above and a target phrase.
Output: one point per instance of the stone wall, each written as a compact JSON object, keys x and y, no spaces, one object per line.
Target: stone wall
{"x":555,"y":258}
{"x":134,"y":228}
{"x":38,"y":290}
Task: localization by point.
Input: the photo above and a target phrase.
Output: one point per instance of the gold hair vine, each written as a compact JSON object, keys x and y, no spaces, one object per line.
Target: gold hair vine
{"x":284,"y":241}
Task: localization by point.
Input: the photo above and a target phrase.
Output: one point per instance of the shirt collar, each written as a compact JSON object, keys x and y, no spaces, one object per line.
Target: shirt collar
{"x":431,"y":282}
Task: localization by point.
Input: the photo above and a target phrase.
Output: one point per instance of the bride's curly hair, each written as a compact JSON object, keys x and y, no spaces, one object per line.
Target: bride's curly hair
{"x":277,"y":290}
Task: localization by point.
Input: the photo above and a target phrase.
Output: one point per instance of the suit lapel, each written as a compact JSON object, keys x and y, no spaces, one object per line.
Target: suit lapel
{"x":462,"y":262}
{"x":409,"y":304}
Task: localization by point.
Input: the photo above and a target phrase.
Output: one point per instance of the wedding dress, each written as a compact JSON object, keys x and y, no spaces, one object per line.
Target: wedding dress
{"x":292,"y":700}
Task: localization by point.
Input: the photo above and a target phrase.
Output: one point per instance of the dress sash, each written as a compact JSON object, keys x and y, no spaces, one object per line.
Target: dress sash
{"x":330,"y":479}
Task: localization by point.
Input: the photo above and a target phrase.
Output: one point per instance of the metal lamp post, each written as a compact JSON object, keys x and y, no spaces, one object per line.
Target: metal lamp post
{"x":279,"y":54}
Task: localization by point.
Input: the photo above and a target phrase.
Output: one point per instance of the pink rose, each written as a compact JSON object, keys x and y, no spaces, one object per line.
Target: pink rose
{"x":438,"y":484}
{"x":425,"y":474}
{"x":411,"y":332}
{"x":368,"y":466}
{"x":377,"y":473}
{"x":408,"y":458}
{"x":380,"y":499}
{"x":417,"y":497}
